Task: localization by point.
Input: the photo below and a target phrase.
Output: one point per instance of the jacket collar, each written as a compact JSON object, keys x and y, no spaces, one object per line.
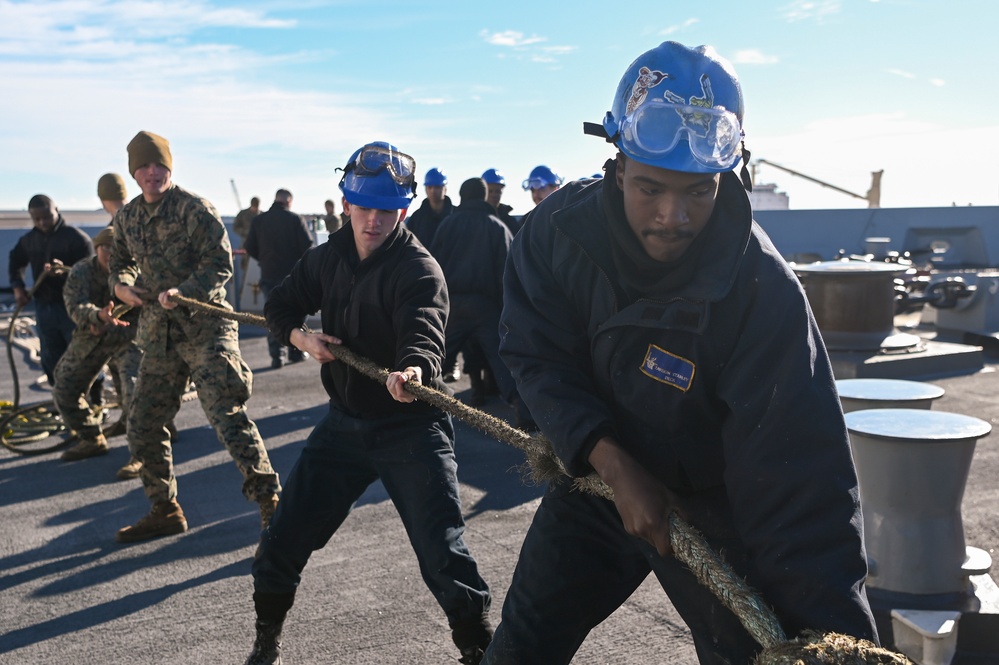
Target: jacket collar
{"x":730,"y":227}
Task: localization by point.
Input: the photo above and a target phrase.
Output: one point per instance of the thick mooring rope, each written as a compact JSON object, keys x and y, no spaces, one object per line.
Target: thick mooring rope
{"x":689,"y":546}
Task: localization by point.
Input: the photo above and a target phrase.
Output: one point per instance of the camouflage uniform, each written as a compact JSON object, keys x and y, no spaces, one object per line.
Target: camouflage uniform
{"x":182,"y":244}
{"x":85,"y":293}
{"x":241,"y":225}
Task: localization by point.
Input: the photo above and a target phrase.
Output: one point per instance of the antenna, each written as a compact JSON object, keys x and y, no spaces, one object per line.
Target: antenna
{"x":239,"y":206}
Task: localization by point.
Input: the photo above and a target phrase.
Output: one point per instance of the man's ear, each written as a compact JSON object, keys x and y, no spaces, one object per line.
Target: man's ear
{"x":346,"y":206}
{"x":622,"y":162}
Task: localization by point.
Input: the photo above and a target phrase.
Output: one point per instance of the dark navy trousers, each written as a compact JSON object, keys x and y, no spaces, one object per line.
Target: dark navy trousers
{"x":578,"y":565}
{"x":413,"y":455}
{"x":55,"y":330}
{"x":274,"y":346}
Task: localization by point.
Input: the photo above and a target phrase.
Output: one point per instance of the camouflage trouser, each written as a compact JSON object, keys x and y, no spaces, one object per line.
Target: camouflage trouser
{"x":79,"y":367}
{"x":223,"y":382}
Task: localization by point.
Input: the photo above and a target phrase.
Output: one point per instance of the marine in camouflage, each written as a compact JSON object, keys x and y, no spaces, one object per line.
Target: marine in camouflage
{"x":93,"y":345}
{"x":181,"y":243}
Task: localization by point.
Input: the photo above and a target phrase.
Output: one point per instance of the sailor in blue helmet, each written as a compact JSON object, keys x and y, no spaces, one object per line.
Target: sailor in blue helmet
{"x":383,"y":296}
{"x":542,"y":183}
{"x":662,"y":343}
{"x":495,"y":184}
{"x":424,"y":222}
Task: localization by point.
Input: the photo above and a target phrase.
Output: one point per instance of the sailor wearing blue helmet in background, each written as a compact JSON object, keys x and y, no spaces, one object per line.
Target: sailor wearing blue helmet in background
{"x":495,"y":184}
{"x":384,"y":296}
{"x":542,"y":183}
{"x":660,"y":341}
{"x":424,"y":222}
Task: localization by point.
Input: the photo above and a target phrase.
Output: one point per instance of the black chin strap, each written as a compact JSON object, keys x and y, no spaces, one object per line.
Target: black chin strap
{"x":747,"y":181}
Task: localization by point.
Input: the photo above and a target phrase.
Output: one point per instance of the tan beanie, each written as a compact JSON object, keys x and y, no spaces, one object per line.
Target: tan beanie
{"x":146,"y":148}
{"x":105,"y":237}
{"x":111,"y":187}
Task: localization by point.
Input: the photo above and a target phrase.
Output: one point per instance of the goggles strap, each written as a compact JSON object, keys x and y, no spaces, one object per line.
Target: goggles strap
{"x":596,"y":129}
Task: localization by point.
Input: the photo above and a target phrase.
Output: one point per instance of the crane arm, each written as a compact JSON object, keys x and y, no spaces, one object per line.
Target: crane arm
{"x":232,"y":181}
{"x":815,"y":180}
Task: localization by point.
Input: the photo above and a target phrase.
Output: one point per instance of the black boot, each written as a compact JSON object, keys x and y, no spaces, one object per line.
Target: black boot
{"x":472,"y":637}
{"x":271,"y":609}
{"x":267,"y":646}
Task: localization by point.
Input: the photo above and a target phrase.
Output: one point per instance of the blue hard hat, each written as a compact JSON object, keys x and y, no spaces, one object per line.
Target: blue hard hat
{"x":542,"y":176}
{"x":493,"y":177}
{"x":678,"y":108}
{"x":435,"y":178}
{"x":378,"y":176}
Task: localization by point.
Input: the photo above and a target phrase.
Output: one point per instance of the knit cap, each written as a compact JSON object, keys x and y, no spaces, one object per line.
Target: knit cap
{"x":105,"y":237}
{"x":111,"y":187}
{"x":146,"y":148}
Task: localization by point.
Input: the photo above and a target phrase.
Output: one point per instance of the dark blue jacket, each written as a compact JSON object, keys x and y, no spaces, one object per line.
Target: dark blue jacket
{"x":277,"y":240}
{"x":471,"y":246}
{"x":64,"y":242}
{"x":718,"y":381}
{"x":425,"y":222}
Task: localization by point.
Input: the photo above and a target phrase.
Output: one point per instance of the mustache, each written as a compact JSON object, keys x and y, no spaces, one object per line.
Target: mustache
{"x":667,"y":235}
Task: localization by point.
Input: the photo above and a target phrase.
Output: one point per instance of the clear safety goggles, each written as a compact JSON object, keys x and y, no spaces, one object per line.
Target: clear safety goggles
{"x":536,"y":183}
{"x":654,"y":130}
{"x":374,"y":159}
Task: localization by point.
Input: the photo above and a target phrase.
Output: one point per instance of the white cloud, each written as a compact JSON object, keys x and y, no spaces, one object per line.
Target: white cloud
{"x":68,"y":23}
{"x":525,"y":48}
{"x":806,"y":10}
{"x":936,"y":82}
{"x":558,"y":50}
{"x":677,"y":28}
{"x":754,"y":57}
{"x":88,"y":75}
{"x":510,"y":38}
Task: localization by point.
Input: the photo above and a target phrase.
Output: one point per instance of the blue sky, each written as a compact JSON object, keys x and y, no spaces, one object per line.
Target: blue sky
{"x":278,"y":94}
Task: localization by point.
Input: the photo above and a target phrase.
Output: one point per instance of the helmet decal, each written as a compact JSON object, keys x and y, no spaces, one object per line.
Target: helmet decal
{"x":677,"y":107}
{"x":699,"y":123}
{"x":647,"y":79}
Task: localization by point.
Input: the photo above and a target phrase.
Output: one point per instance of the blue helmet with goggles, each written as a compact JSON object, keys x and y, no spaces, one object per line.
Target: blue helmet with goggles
{"x":542,"y":176}
{"x":493,"y":177}
{"x":378,"y":176}
{"x":435,"y":178}
{"x":677,"y":108}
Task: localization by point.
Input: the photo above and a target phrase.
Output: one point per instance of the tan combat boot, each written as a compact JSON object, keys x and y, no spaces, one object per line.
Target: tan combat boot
{"x":130,"y":470}
{"x":166,"y":518}
{"x":268,"y":505}
{"x":87,"y":448}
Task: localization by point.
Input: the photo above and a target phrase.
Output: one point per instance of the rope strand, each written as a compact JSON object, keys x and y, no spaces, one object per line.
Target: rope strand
{"x":689,"y":545}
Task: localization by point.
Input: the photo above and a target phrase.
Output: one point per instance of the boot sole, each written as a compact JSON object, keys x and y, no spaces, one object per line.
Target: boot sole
{"x":169,"y":530}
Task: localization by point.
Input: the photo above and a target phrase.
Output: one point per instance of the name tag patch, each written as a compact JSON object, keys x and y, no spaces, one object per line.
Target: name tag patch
{"x":668,"y":368}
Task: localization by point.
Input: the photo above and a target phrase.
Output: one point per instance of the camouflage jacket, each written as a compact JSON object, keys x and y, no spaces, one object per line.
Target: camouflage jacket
{"x":182,"y":245}
{"x":241,"y":225}
{"x":86,"y":292}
